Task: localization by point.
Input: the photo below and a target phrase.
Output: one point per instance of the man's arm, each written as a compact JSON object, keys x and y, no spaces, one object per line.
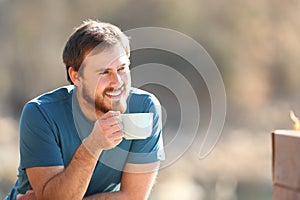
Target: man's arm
{"x":57,"y":182}
{"x":137,"y":182}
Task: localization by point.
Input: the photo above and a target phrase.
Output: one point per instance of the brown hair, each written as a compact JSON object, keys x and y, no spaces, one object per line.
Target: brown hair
{"x":86,"y":37}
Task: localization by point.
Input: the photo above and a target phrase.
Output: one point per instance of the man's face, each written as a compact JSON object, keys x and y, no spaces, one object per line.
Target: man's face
{"x":105,"y":80}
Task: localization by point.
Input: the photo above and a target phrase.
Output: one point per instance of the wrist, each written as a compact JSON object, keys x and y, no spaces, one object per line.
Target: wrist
{"x":90,"y":145}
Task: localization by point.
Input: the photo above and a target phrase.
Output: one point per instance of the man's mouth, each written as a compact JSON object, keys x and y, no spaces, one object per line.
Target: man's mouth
{"x":114,"y":93}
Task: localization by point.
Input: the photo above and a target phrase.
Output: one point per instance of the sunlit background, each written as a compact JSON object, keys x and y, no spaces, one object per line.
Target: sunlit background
{"x":255,"y":45}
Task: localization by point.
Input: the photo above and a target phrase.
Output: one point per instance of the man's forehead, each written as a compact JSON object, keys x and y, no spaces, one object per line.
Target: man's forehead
{"x":108,"y":57}
{"x":120,"y":61}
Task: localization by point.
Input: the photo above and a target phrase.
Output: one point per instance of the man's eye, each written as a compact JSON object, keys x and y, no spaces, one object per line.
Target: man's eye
{"x":122,"y":69}
{"x":103,"y":73}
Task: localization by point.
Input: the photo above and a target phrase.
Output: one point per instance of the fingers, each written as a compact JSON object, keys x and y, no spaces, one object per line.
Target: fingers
{"x":116,"y":135}
{"x":116,"y":138}
{"x":114,"y":129}
{"x":29,"y":195}
{"x":110,"y":114}
{"x":110,"y":122}
{"x":20,"y":196}
{"x":29,"y":192}
{"x":108,"y":130}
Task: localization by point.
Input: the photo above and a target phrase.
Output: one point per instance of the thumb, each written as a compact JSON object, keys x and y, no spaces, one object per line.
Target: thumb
{"x":24,"y":196}
{"x":19,"y":196}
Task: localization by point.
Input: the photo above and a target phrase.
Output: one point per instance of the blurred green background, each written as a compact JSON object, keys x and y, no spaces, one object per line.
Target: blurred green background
{"x":255,"y":45}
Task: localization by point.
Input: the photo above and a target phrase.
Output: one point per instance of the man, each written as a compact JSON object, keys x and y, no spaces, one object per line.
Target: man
{"x":71,"y":139}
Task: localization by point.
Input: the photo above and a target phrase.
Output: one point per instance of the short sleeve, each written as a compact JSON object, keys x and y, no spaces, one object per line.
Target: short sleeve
{"x":38,"y":144}
{"x":150,"y":149}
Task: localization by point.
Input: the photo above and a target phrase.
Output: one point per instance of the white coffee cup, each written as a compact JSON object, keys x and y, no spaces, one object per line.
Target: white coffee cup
{"x":137,"y":125}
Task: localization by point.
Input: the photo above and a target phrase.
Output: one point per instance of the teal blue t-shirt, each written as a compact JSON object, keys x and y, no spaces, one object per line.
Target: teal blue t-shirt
{"x":52,"y":127}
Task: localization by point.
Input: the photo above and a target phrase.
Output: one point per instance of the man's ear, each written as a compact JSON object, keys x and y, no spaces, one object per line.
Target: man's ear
{"x":74,"y":76}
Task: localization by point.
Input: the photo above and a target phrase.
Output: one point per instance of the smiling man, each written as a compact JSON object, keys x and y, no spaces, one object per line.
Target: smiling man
{"x":71,"y":139}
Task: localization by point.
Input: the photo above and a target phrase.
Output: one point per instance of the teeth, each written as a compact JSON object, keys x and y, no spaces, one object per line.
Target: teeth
{"x":114,"y":93}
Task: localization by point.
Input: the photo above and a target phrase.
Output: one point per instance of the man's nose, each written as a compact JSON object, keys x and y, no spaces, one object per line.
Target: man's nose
{"x":116,"y":79}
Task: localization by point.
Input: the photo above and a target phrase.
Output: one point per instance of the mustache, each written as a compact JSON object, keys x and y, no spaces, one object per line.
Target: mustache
{"x":111,"y":89}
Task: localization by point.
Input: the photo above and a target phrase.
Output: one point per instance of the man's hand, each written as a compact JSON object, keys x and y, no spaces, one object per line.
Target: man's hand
{"x":109,"y":130}
{"x":106,"y":134}
{"x":29,"y":195}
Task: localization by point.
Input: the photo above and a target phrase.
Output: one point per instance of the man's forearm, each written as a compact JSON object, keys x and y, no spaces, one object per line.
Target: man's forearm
{"x":73,"y":181}
{"x":107,"y":196}
{"x":133,"y":185}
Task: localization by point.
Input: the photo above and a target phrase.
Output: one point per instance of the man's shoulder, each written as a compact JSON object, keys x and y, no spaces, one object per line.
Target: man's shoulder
{"x":52,"y":97}
{"x":54,"y":101}
{"x":136,"y":92}
{"x":141,"y":100}
{"x":49,"y":107}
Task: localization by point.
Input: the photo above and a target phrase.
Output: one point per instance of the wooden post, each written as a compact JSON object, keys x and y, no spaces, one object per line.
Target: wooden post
{"x":286,"y":165}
